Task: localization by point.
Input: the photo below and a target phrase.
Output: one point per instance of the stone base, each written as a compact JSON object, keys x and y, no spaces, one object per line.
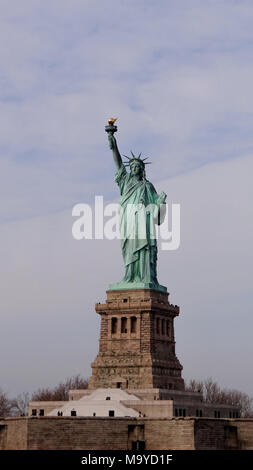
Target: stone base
{"x":137,"y":345}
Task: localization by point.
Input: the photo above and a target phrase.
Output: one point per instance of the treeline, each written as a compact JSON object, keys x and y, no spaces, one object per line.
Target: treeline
{"x":19,"y":406}
{"x":211,"y":391}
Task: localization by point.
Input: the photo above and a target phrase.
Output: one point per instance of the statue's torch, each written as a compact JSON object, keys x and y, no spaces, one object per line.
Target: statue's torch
{"x":111,"y":128}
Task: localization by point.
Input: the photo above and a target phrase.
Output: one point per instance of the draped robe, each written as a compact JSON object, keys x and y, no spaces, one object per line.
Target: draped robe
{"x":139,"y":212}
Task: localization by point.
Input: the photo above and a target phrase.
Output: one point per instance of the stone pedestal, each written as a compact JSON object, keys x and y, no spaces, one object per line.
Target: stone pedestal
{"x":137,"y":344}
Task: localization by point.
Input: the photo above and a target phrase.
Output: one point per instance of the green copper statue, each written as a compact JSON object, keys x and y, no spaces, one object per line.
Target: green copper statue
{"x":140,"y":209}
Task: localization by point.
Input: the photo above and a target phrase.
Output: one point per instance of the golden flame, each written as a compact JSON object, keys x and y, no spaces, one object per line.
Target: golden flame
{"x":111,"y":121}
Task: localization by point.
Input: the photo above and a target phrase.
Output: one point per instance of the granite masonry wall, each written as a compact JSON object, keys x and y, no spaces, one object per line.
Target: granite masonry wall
{"x":73,"y":433}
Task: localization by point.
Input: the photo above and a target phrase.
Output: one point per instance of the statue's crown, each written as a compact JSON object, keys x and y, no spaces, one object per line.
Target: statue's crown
{"x":136,"y":159}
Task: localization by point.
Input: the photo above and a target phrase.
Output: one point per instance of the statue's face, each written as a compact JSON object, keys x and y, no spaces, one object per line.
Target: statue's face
{"x":136,"y":169}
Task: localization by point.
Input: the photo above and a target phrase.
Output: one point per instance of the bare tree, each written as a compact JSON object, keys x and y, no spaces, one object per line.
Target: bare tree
{"x":194,"y":386}
{"x":20,"y":404}
{"x":5,"y":405}
{"x":60,"y":392}
{"x":212,"y":391}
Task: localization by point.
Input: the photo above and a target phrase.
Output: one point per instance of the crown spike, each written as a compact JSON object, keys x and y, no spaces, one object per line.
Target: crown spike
{"x":134,"y":158}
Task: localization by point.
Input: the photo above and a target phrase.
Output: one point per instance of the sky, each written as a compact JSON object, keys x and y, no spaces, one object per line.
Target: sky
{"x":178,"y":75}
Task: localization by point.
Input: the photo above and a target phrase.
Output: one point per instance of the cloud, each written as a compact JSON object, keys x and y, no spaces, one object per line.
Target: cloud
{"x":178,"y":76}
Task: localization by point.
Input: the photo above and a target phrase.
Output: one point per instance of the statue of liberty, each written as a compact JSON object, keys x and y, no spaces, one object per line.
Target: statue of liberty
{"x":141,"y":208}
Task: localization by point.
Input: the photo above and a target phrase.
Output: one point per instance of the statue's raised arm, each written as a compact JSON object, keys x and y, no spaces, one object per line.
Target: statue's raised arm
{"x":115,"y":151}
{"x":110,"y":129}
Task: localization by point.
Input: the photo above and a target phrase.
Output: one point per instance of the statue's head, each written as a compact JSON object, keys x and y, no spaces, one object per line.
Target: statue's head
{"x":137,"y":165}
